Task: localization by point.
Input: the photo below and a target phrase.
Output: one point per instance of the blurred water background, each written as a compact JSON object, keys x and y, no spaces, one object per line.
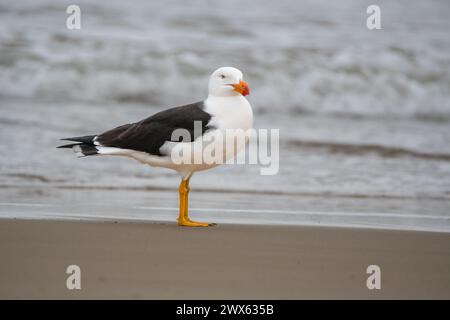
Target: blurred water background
{"x":364,"y":116}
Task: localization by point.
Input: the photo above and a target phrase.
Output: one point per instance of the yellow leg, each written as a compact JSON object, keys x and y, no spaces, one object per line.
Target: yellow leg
{"x":183,"y":218}
{"x":186,"y":200}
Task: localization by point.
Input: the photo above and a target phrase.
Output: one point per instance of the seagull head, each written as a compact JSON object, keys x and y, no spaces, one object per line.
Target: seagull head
{"x":227,"y":81}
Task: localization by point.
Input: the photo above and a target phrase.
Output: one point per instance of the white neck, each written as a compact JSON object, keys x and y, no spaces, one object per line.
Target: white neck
{"x":229,"y":112}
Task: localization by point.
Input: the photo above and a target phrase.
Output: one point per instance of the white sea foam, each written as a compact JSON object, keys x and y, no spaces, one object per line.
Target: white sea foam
{"x":308,"y":56}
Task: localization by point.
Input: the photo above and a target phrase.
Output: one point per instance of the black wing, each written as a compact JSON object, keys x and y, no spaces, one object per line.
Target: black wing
{"x":150,"y":134}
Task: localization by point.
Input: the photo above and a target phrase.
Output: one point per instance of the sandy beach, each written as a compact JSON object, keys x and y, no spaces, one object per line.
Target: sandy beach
{"x":162,"y":261}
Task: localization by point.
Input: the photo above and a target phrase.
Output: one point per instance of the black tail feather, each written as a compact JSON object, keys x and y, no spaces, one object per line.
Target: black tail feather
{"x":84,"y":139}
{"x":85,"y":144}
{"x":69,"y":145}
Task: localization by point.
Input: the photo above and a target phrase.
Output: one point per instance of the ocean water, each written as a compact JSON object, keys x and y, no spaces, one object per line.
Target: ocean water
{"x":364,"y":116}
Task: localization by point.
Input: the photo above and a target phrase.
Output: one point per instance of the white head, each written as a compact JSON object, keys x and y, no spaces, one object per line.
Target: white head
{"x":227,"y":81}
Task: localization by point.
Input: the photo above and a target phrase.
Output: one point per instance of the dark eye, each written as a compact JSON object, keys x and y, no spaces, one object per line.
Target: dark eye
{"x":222,"y":76}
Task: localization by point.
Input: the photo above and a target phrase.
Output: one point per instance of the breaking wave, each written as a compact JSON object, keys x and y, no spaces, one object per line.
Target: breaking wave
{"x":298,"y":59}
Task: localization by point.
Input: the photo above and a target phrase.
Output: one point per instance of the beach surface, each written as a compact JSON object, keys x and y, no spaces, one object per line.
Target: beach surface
{"x":131,"y":260}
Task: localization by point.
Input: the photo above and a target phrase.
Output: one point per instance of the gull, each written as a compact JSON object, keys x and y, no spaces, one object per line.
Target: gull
{"x":151,"y":141}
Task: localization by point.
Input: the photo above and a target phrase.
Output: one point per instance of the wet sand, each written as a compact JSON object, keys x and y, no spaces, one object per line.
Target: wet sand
{"x":162,"y":261}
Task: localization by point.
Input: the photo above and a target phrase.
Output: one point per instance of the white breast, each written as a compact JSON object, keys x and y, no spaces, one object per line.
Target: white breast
{"x":232,"y":112}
